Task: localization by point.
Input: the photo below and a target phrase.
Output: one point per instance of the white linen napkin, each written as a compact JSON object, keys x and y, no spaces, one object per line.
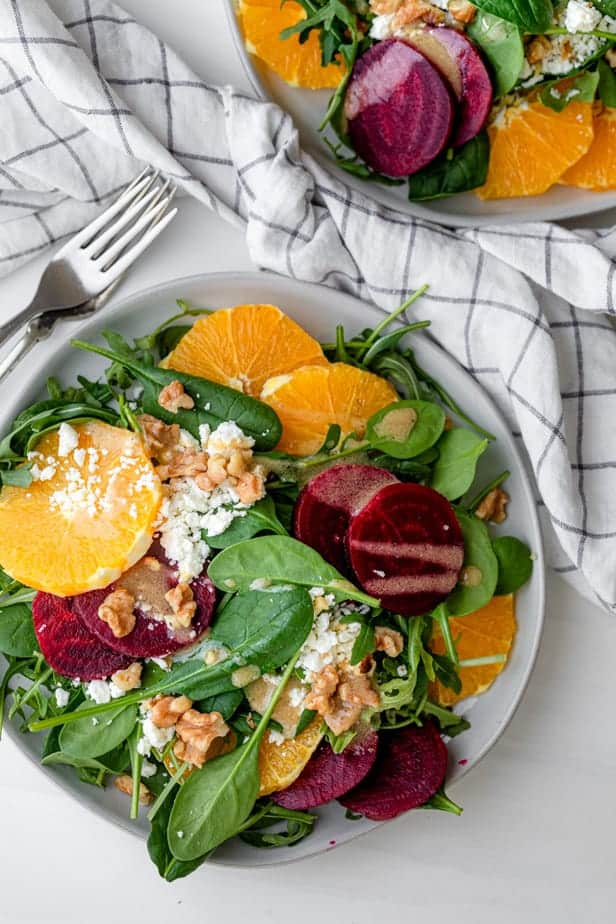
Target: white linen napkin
{"x":87,"y":95}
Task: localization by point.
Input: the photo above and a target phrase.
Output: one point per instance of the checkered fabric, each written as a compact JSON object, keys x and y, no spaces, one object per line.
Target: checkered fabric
{"x":87,"y":95}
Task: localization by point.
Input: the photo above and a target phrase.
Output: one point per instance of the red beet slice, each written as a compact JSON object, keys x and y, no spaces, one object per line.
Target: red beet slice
{"x":328,"y":776}
{"x":459,"y":61}
{"x":69,"y":648}
{"x":327,"y":503}
{"x":410,"y":767}
{"x":406,"y":548}
{"x":151,"y":637}
{"x":398,"y":108}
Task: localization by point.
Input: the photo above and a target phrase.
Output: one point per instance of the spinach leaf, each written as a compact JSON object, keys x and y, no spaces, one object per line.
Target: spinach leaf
{"x":515,"y":565}
{"x":454,"y":471}
{"x":607,"y":82}
{"x":259,"y":518}
{"x":457,"y":170}
{"x":533,"y":16}
{"x":279,"y":560}
{"x":115,"y":761}
{"x":17,"y":477}
{"x":305,"y":719}
{"x":44,"y":416}
{"x":608,"y":7}
{"x":406,"y":429}
{"x":83,"y":738}
{"x":583,"y":89}
{"x":478,"y":554}
{"x":298,"y":825}
{"x":214,"y":403}
{"x":502,"y":45}
{"x":363,"y":644}
{"x":225,"y":703}
{"x":17,"y":637}
{"x":215,"y":801}
{"x":168,"y":867}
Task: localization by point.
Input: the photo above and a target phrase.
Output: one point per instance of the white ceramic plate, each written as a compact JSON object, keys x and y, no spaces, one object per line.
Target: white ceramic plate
{"x":308,"y":305}
{"x":307,"y":108}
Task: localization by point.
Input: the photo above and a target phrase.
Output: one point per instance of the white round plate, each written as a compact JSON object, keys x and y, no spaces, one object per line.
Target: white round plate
{"x":307,"y":108}
{"x":318,"y":310}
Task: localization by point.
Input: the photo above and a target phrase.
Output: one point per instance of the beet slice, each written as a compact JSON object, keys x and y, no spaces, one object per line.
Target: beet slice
{"x":328,"y":775}
{"x":406,"y":548}
{"x":69,"y":648}
{"x":410,"y":767}
{"x":327,"y":503}
{"x":151,"y":637}
{"x":398,"y":108}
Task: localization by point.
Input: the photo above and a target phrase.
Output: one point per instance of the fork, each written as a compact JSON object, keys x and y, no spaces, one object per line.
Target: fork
{"x":81,"y":275}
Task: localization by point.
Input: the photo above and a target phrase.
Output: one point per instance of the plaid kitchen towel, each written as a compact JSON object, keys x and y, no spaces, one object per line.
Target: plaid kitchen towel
{"x":87,"y":95}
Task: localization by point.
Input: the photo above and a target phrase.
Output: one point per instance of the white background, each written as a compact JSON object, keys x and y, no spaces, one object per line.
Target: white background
{"x":536,"y":841}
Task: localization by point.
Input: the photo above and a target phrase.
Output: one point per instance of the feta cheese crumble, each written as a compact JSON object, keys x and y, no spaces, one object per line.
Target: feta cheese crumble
{"x":102,"y":691}
{"x":330,"y":641}
{"x":153,"y":737}
{"x":62,"y":697}
{"x":581,"y":16}
{"x":68,"y":439}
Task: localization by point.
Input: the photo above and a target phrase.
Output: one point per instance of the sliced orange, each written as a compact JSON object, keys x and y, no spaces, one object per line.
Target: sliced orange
{"x":88,"y":515}
{"x":299,"y":64}
{"x":531,"y":146}
{"x":597,"y":168}
{"x":488,"y":631}
{"x":244,"y":346}
{"x":281,"y":764}
{"x":308,"y":400}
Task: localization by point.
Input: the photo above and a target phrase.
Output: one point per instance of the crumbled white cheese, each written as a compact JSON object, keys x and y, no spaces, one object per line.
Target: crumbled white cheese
{"x":381,"y":27}
{"x":276,"y":737}
{"x":148,"y":769}
{"x":161,"y":662}
{"x":226,"y":438}
{"x":62,"y":697}
{"x":330,"y":641}
{"x":297,"y":696}
{"x":402,"y":670}
{"x":102,"y":691}
{"x":581,"y":16}
{"x":68,"y":439}
{"x":153,"y":737}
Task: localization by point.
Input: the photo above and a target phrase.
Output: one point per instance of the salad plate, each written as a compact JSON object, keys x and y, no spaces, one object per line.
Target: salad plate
{"x":318,"y":311}
{"x":307,"y":108}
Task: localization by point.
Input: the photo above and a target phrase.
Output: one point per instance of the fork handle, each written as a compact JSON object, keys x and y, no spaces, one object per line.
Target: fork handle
{"x":23,"y":346}
{"x":22,"y":318}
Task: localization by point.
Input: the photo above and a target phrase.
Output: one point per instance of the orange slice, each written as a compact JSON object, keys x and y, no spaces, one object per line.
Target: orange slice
{"x":281,"y":764}
{"x":308,"y":400}
{"x":88,"y":515}
{"x":597,"y":168}
{"x":531,"y":146}
{"x":244,"y":346}
{"x":298,"y":64}
{"x":486,"y":632}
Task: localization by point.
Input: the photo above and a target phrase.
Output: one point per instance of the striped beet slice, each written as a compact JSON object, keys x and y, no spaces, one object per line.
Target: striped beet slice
{"x":410,"y":767}
{"x":406,"y":548}
{"x":68,"y":647}
{"x":327,"y":503}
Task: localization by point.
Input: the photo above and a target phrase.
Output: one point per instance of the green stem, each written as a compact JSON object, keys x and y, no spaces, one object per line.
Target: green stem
{"x":449,"y":402}
{"x":443,"y":803}
{"x":174,"y":780}
{"x":480,"y":662}
{"x":136,"y":760}
{"x":441,"y":617}
{"x":22,"y":596}
{"x":598,"y":33}
{"x":31,"y":690}
{"x":380,"y":327}
{"x":497,"y":482}
{"x":4,"y":688}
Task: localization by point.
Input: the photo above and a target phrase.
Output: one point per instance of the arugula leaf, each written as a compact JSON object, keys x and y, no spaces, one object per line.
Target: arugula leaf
{"x":583,"y":89}
{"x":515,"y":564}
{"x":454,"y":471}
{"x":298,"y":825}
{"x":502,"y":45}
{"x":534,"y":16}
{"x":455,"y":171}
{"x":607,"y":83}
{"x":363,"y":644}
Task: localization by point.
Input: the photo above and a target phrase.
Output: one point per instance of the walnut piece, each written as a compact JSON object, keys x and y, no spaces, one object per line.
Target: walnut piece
{"x":493,"y":506}
{"x":182,"y":602}
{"x":462,"y":10}
{"x":417,"y":11}
{"x":125,"y":784}
{"x":382,"y":7}
{"x":162,"y":441}
{"x":388,"y":640}
{"x":250,"y":488}
{"x":186,"y":464}
{"x":340,"y":697}
{"x":117,"y":610}
{"x":200,"y":736}
{"x":538,"y":49}
{"x":130,"y":678}
{"x":173,"y":398}
{"x":166,"y":710}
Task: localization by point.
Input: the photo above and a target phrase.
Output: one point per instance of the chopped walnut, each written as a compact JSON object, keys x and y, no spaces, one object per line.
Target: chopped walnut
{"x":388,"y":640}
{"x":125,"y":784}
{"x":173,"y":398}
{"x":117,"y":610}
{"x":610,"y":57}
{"x":162,"y":441}
{"x":166,"y":710}
{"x":340,"y":697}
{"x":462,"y":10}
{"x":200,"y":736}
{"x":538,"y":49}
{"x":382,"y":7}
{"x":217,"y":469}
{"x":236,"y":466}
{"x":250,"y":488}
{"x":130,"y":678}
{"x":417,"y":11}
{"x":566,"y":50}
{"x":182,"y":602}
{"x":449,"y":424}
{"x":185,"y":464}
{"x":493,"y":506}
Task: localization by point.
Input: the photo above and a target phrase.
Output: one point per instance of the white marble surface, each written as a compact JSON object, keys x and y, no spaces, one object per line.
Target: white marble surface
{"x":536,"y":841}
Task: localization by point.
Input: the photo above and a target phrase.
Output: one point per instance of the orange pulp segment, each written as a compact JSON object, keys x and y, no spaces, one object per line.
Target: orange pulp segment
{"x":281,"y":764}
{"x":597,"y":168}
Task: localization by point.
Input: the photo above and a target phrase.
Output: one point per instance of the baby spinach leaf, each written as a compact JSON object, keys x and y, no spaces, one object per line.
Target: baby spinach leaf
{"x":115,"y":761}
{"x":608,"y":7}
{"x":502,"y":45}
{"x":607,"y":81}
{"x":215,"y":801}
{"x":305,"y":719}
{"x":533,"y":16}
{"x":17,"y":636}
{"x":259,"y":518}
{"x":455,"y":171}
{"x":17,"y":477}
{"x":478,"y":554}
{"x":168,"y":867}
{"x":582,"y":90}
{"x":363,"y":644}
{"x":454,"y":471}
{"x":515,"y":565}
{"x":83,"y":738}
{"x":214,"y":403}
{"x":279,"y":560}
{"x":225,"y":703}
{"x":406,"y":429}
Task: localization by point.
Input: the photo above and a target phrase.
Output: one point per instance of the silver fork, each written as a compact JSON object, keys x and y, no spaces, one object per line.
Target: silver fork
{"x":81,"y":275}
